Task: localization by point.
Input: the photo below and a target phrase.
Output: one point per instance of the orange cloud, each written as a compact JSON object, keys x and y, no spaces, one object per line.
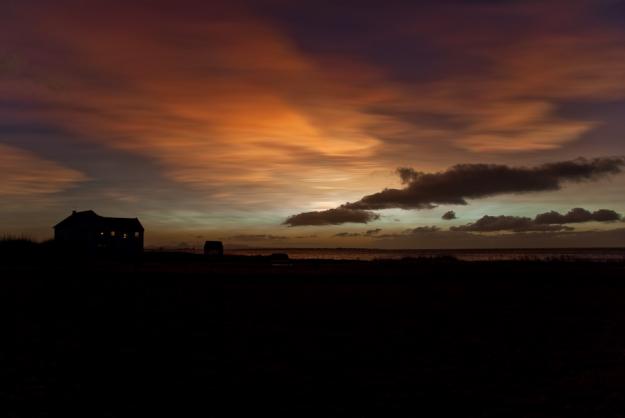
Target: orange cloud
{"x":232,"y":104}
{"x":25,"y":174}
{"x":229,"y":104}
{"x":512,"y":104}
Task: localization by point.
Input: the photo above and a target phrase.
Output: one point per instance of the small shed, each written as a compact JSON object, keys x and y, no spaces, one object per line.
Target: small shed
{"x":213,"y":249}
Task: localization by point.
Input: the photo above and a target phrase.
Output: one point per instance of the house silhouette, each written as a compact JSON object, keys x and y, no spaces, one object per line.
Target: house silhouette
{"x":89,"y":231}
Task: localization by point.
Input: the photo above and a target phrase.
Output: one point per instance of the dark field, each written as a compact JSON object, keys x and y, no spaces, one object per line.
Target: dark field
{"x":181,"y":336}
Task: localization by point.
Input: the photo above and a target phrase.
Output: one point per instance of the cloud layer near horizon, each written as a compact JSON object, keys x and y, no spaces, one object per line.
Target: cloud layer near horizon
{"x":465,"y":181}
{"x":548,"y":221}
{"x":508,"y":223}
{"x":577,"y":215}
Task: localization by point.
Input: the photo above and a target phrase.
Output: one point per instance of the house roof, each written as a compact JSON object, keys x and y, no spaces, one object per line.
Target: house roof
{"x":89,"y":218}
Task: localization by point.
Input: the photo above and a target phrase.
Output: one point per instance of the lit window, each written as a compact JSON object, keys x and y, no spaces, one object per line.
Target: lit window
{"x":125,"y":236}
{"x":136,"y":235}
{"x":112,"y":233}
{"x":101,"y":234}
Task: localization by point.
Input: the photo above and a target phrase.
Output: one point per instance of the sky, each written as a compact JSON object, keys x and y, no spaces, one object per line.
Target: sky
{"x":395,"y":124}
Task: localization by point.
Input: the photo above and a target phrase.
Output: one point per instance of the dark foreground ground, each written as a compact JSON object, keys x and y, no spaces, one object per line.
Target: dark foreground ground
{"x":184,"y":337}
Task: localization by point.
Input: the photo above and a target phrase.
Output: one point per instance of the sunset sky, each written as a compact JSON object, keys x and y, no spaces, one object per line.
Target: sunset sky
{"x":283,"y":123}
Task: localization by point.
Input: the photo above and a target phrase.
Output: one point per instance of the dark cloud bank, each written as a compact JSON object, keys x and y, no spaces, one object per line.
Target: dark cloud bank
{"x":545,"y":230}
{"x":429,"y":237}
{"x":449,"y":215}
{"x":461,"y":182}
{"x":577,"y":215}
{"x":549,"y":221}
{"x":336,"y":216}
{"x":544,"y":222}
{"x":508,"y":223}
{"x":369,"y":233}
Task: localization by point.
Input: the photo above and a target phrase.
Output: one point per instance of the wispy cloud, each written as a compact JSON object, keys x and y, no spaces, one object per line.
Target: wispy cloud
{"x":225,"y":92}
{"x":26,"y":174}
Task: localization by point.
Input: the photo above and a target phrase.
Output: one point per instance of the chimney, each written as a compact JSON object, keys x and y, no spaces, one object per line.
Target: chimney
{"x":73,"y":212}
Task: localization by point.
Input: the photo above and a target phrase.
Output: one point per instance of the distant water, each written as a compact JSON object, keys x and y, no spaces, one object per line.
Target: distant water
{"x":596,"y":254}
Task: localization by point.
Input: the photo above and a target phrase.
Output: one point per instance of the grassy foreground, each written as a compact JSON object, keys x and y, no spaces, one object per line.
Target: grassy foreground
{"x":180,"y":335}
